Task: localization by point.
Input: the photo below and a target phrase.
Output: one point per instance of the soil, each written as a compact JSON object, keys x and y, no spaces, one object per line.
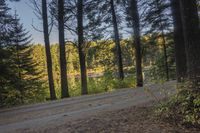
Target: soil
{"x":129,"y":120}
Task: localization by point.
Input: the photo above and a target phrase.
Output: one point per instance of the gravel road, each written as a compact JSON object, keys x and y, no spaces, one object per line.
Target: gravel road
{"x":42,"y":116}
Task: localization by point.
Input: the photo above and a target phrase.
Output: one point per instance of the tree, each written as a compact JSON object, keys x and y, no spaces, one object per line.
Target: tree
{"x":5,"y":64}
{"x":136,"y":28}
{"x":191,"y":37}
{"x":63,"y":70}
{"x":47,"y":49}
{"x":19,"y":78}
{"x":102,"y":15}
{"x":77,"y":13}
{"x":181,"y":67}
{"x":117,"y":40}
{"x":81,"y":47}
{"x":158,"y":18}
{"x":41,"y":11}
{"x":26,"y":80}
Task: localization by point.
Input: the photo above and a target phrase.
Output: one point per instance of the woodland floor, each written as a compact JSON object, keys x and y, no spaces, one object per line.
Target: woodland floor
{"x":122,"y":111}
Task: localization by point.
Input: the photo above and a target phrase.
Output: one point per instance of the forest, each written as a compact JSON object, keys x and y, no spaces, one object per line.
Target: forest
{"x":103,"y":46}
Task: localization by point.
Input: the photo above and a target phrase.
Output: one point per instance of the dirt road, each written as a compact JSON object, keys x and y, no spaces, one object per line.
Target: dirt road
{"x":50,"y":114}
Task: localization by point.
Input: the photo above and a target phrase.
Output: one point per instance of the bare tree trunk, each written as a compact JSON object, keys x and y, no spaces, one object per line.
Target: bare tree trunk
{"x":181,"y":67}
{"x":164,"y":44}
{"x":63,"y":67}
{"x":47,"y":49}
{"x":117,"y":42}
{"x":81,"y":48}
{"x":192,"y":42}
{"x":137,"y":42}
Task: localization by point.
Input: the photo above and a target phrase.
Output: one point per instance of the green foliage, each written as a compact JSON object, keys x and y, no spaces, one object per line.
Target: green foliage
{"x":5,"y":64}
{"x":157,"y":15}
{"x":100,"y":58}
{"x":155,"y":70}
{"x":102,"y":84}
{"x":183,"y":108}
{"x":20,"y":81}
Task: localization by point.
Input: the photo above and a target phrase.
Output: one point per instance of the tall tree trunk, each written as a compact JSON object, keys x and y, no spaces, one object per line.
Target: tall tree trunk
{"x":191,"y":31}
{"x":47,"y":49}
{"x":81,"y":48}
{"x":165,"y":53}
{"x":137,"y":42}
{"x":181,"y":67}
{"x":63,"y":67}
{"x":117,"y":41}
{"x":164,"y":43}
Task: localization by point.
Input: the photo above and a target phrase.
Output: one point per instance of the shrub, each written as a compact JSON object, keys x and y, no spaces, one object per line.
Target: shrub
{"x":183,"y":108}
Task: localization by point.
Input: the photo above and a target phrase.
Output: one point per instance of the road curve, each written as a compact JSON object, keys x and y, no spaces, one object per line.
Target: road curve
{"x":40,"y":116}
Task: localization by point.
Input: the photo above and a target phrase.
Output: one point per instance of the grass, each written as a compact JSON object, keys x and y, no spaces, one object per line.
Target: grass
{"x":106,"y":83}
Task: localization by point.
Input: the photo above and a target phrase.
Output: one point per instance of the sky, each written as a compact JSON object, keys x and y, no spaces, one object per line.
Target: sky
{"x":28,"y":18}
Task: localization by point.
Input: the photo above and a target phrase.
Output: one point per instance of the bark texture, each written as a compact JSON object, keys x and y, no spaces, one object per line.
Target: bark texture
{"x":192,"y":41}
{"x":47,"y":50}
{"x":63,"y":67}
{"x":117,"y":41}
{"x":81,"y":48}
{"x":180,"y":54}
{"x":137,"y":42}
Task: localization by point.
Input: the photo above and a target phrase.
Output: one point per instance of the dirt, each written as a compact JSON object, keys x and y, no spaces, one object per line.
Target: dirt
{"x":129,"y":120}
{"x":125,"y":110}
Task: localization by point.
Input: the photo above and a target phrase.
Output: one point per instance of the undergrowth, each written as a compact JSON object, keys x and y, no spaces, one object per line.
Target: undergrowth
{"x":183,"y":108}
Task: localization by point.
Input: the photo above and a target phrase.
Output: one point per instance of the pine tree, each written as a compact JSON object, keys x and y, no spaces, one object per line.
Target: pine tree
{"x":26,"y":80}
{"x":63,"y":70}
{"x":158,"y":19}
{"x":19,"y":80}
{"x":75,"y":14}
{"x":117,"y":40}
{"x":192,"y":42}
{"x":41,"y":11}
{"x":81,"y":44}
{"x":137,"y":39}
{"x":181,"y":64}
{"x":47,"y":50}
{"x":101,"y":16}
{"x":6,"y":72}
